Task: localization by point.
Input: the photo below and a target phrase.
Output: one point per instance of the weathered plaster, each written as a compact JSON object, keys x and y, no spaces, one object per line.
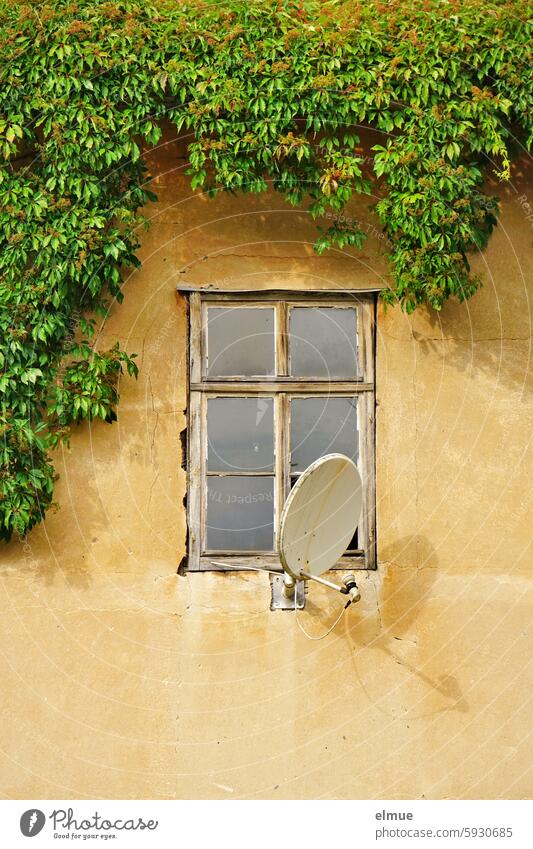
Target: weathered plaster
{"x":122,"y":678}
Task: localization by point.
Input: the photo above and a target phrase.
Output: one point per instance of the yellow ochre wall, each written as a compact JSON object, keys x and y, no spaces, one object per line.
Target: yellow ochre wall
{"x":122,"y":679}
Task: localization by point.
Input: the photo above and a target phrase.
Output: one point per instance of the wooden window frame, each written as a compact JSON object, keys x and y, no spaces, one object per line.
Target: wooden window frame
{"x":281,"y":387}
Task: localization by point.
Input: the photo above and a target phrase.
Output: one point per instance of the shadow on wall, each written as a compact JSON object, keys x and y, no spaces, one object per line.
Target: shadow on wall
{"x":97,"y":500}
{"x":481,"y":334}
{"x":495,"y":358}
{"x":400,"y":600}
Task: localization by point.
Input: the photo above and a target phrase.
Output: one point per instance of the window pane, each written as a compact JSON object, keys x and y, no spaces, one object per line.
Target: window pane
{"x":240,"y":341}
{"x":323,"y":342}
{"x":240,"y":434}
{"x":240,"y":513}
{"x":322,"y":426}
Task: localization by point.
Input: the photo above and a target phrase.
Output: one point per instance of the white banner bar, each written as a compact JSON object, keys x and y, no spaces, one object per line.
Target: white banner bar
{"x":268,"y":825}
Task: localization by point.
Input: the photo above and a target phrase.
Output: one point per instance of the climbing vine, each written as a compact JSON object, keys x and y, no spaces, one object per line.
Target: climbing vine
{"x":270,"y":93}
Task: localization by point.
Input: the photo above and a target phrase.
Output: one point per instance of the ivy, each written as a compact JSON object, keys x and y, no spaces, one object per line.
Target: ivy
{"x":270,"y":94}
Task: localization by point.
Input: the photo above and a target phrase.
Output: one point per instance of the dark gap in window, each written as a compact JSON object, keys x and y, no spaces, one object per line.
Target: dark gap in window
{"x":183,"y":443}
{"x":182,"y":565}
{"x":354,"y":542}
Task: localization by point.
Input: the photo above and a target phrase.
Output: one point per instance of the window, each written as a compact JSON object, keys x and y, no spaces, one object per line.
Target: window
{"x":276,"y":380}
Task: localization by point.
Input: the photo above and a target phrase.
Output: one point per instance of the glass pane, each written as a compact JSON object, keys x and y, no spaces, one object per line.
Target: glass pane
{"x":322,"y":426}
{"x":240,"y":341}
{"x":240,"y":434}
{"x":240,"y":513}
{"x":323,"y":342}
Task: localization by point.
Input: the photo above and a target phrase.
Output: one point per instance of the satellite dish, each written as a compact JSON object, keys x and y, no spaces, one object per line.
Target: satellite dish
{"x":320,"y":516}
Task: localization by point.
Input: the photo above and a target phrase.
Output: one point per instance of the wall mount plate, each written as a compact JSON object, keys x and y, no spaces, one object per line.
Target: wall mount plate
{"x":279,"y":600}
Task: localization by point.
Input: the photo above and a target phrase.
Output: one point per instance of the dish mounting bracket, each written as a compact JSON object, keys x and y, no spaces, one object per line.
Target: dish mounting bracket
{"x":281,"y":600}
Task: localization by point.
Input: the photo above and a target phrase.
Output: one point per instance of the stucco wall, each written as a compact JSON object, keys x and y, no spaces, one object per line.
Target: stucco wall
{"x":121,"y":678}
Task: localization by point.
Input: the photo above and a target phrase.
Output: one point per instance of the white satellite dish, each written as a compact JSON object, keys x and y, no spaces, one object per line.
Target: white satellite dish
{"x":318,"y":521}
{"x":320,"y":516}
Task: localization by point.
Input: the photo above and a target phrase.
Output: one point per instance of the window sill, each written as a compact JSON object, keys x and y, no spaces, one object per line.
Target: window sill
{"x":269,"y":561}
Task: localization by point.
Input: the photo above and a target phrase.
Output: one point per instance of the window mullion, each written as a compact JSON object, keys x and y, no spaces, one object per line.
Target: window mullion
{"x":365,"y":341}
{"x":240,"y":474}
{"x":195,"y":339}
{"x":367,"y":540}
{"x":282,"y":336}
{"x":279,"y":459}
{"x":287,"y":436}
{"x":203,"y":469}
{"x":196,"y":484}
